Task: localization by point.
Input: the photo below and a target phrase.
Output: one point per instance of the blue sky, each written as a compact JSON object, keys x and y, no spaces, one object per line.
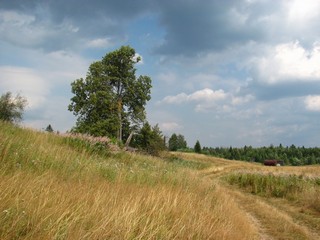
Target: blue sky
{"x":226,"y":73}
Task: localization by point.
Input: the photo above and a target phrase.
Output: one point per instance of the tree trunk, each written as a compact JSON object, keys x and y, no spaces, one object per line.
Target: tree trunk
{"x":120,"y":119}
{"x":129,"y":139}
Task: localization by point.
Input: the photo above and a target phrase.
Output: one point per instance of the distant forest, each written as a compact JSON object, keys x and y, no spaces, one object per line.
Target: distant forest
{"x":295,"y":156}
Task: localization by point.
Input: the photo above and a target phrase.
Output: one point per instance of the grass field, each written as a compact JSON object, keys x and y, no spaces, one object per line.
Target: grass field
{"x":54,"y":187}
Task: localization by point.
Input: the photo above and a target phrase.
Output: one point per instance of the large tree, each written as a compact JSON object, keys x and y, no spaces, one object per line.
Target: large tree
{"x":12,"y":108}
{"x":111,"y":98}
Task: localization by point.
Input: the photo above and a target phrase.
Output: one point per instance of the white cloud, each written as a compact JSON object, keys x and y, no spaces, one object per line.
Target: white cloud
{"x":25,"y":81}
{"x":100,"y":43}
{"x":177,"y":99}
{"x":302,"y":11}
{"x":205,"y":99}
{"x":312,"y":103}
{"x":19,"y":28}
{"x":207,"y":95}
{"x":170,"y":126}
{"x":32,"y":30}
{"x":242,"y":100}
{"x":46,"y":73}
{"x":289,"y":62}
{"x":13,"y":18}
{"x":204,"y":95}
{"x":55,"y":113}
{"x":63,"y":66}
{"x":208,"y":99}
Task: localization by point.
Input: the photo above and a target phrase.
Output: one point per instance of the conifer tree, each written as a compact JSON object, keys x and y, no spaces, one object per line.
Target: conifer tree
{"x":49,"y":128}
{"x":197,"y":147}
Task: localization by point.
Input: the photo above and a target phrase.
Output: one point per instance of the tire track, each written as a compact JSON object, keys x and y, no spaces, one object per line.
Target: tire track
{"x":274,"y":220}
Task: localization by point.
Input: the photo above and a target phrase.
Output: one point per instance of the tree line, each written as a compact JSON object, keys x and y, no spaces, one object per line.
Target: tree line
{"x":292,"y":155}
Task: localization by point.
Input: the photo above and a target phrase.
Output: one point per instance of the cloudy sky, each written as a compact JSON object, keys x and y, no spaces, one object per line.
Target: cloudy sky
{"x":226,"y":73}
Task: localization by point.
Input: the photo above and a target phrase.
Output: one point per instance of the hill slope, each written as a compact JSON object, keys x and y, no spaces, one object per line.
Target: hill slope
{"x":53,"y":187}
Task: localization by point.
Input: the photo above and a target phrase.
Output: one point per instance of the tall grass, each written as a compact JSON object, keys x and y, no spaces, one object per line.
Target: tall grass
{"x":53,"y":189}
{"x":289,"y":186}
{"x":45,"y":207}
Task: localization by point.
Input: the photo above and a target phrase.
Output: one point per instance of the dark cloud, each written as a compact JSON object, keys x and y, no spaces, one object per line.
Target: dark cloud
{"x":268,"y":92}
{"x":63,"y":24}
{"x":212,"y":25}
{"x":194,"y":27}
{"x":80,"y":10}
{"x":191,"y":27}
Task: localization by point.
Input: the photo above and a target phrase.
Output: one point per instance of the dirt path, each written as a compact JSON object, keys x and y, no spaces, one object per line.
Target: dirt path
{"x":274,"y":218}
{"x":273,"y":222}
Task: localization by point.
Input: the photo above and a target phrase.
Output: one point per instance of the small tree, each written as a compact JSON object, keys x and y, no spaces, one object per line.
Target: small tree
{"x":177,"y":142}
{"x":197,"y":147}
{"x":173,"y":142}
{"x":49,"y":129}
{"x":182,"y":143}
{"x":149,"y":139}
{"x":11,"y":108}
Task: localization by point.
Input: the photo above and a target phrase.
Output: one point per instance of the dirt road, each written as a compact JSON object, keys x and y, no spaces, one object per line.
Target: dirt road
{"x":275,"y":218}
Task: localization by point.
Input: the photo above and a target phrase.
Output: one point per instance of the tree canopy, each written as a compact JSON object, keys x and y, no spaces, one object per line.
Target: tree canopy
{"x":111,"y":100}
{"x":12,"y":108}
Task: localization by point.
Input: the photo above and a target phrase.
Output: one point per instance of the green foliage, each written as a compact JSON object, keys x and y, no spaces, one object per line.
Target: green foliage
{"x":197,"y":147}
{"x":295,"y":156}
{"x":177,"y":142}
{"x":111,"y":99}
{"x":49,"y":128}
{"x":149,"y":139}
{"x":173,"y":142}
{"x":11,"y":108}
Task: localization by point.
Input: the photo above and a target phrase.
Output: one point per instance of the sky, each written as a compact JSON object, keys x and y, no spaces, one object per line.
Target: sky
{"x":226,"y":73}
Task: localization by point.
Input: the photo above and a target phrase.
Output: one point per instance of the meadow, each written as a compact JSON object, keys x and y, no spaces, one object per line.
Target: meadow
{"x":58,"y":187}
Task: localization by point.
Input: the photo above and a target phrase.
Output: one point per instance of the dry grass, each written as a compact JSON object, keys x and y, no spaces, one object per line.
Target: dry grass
{"x":285,"y":200}
{"x":47,"y":207}
{"x":275,"y":222}
{"x":54,"y":188}
{"x":50,"y":189}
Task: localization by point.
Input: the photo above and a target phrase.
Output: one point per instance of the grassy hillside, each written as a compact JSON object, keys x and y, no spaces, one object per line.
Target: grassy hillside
{"x":54,"y":187}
